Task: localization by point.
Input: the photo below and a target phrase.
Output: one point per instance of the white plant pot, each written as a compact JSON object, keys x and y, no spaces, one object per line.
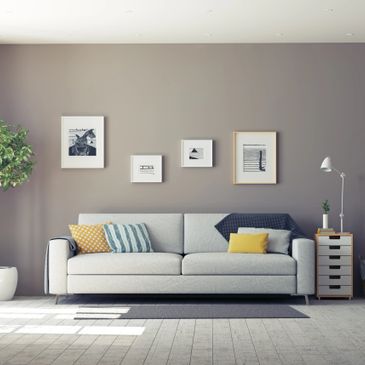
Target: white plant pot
{"x":8,"y":282}
{"x":325,"y":221}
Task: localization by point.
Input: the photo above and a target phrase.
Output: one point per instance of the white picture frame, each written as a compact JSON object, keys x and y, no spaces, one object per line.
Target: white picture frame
{"x":82,"y":142}
{"x":254,"y":157}
{"x":197,"y":153}
{"x":146,"y":168}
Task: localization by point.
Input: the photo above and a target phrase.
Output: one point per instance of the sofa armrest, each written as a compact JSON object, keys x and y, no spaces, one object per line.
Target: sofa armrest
{"x":303,"y":251}
{"x":58,"y":254}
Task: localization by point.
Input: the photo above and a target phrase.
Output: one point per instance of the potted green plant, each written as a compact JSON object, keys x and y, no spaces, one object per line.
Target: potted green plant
{"x":16,"y":156}
{"x":326,"y":208}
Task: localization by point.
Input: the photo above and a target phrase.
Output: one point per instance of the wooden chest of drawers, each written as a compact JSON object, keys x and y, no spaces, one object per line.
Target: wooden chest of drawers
{"x":334,"y":265}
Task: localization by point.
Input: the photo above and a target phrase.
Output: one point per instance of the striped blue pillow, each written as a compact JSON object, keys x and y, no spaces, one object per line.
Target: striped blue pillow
{"x":128,"y":237}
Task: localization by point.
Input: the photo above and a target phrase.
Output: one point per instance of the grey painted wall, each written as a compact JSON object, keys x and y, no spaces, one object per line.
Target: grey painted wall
{"x":153,"y":96}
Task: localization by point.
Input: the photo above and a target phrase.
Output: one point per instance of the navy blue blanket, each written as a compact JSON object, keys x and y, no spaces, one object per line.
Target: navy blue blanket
{"x":232,"y":222}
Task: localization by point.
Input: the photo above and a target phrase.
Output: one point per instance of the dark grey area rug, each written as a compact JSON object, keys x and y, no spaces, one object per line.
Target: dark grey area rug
{"x":189,"y":311}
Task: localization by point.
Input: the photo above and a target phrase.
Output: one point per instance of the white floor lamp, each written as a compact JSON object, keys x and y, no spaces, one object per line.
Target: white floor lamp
{"x":327,"y":167}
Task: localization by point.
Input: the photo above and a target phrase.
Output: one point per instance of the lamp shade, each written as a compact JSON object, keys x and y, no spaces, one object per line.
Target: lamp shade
{"x":326,"y":164}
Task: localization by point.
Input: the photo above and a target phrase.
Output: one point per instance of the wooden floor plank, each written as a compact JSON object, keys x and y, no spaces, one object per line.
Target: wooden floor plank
{"x":139,"y":349}
{"x":180,"y":353}
{"x":243,"y":347}
{"x":223,"y":353}
{"x":265,"y":349}
{"x":161,"y":347}
{"x":202,"y":351}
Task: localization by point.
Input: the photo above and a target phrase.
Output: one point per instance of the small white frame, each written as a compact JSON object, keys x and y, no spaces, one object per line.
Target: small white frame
{"x":146,"y":168}
{"x":197,"y":153}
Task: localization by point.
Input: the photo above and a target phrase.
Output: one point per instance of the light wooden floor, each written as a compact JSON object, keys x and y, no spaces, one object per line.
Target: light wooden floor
{"x":334,"y":334}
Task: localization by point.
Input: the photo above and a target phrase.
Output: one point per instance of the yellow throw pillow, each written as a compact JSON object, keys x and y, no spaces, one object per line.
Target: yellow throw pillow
{"x":90,"y":238}
{"x":248,"y":243}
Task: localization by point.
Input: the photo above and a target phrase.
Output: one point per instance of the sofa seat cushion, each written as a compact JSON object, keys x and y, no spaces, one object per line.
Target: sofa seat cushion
{"x":146,"y":263}
{"x":222,"y":263}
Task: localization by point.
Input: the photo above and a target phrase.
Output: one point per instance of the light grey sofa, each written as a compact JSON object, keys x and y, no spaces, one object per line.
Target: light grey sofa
{"x":190,"y":258}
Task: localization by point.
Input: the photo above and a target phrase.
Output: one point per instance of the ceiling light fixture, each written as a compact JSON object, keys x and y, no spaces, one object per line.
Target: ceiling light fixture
{"x":349,"y":34}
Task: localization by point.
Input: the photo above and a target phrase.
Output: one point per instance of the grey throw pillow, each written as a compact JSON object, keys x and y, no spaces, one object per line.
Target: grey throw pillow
{"x":279,"y":239}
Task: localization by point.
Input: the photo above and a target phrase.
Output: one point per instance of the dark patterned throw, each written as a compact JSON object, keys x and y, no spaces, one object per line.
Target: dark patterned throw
{"x":232,"y":222}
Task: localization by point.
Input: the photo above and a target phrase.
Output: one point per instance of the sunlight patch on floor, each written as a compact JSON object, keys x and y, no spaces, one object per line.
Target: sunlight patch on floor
{"x":98,"y":315}
{"x":38,"y":310}
{"x":101,"y":309}
{"x":73,"y":330}
{"x":64,"y":316}
{"x":47,"y":330}
{"x":116,"y":331}
{"x":8,"y":328}
{"x":21,"y":316}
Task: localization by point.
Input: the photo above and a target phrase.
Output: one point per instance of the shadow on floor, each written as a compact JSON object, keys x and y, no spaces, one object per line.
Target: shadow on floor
{"x":179,"y":299}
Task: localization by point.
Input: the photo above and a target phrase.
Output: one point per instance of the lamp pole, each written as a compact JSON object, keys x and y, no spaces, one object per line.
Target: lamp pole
{"x":342,"y":176}
{"x":342,"y":215}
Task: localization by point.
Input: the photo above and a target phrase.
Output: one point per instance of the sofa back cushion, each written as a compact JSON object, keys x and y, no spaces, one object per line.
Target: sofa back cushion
{"x":165,"y":230}
{"x":279,"y":239}
{"x":200,"y":235}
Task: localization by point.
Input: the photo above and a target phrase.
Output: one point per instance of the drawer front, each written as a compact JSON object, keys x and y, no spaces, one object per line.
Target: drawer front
{"x":335,"y":270}
{"x":335,"y":240}
{"x":335,"y":290}
{"x":335,"y":280}
{"x":335,"y":260}
{"x":334,"y":250}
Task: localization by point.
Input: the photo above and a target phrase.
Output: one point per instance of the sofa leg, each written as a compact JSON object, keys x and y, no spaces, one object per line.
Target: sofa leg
{"x":57,"y":299}
{"x":306,"y":299}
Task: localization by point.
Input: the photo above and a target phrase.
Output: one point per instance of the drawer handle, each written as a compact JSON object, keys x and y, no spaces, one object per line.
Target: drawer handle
{"x":335,"y":286}
{"x":335,"y":267}
{"x":335,"y":257}
{"x":335,"y":247}
{"x":335,"y":276}
{"x":335,"y":237}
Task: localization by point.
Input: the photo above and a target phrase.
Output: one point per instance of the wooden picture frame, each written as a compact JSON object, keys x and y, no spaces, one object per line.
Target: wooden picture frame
{"x":254,"y":157}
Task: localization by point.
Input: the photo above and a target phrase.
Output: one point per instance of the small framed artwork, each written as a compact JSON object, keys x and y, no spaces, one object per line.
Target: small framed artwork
{"x":254,"y":157}
{"x":197,"y":153}
{"x":146,"y":168}
{"x":82,"y":142}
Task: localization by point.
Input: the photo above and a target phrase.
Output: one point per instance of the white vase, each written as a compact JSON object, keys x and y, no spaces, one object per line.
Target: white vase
{"x":325,"y":221}
{"x":8,"y":282}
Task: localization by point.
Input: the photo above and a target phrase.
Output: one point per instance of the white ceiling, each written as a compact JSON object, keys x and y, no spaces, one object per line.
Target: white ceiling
{"x":181,"y":21}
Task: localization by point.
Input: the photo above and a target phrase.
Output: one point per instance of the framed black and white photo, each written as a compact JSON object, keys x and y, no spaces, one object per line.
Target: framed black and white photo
{"x":197,"y":153}
{"x":82,"y":142}
{"x":146,"y":168}
{"x":254,"y":158}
